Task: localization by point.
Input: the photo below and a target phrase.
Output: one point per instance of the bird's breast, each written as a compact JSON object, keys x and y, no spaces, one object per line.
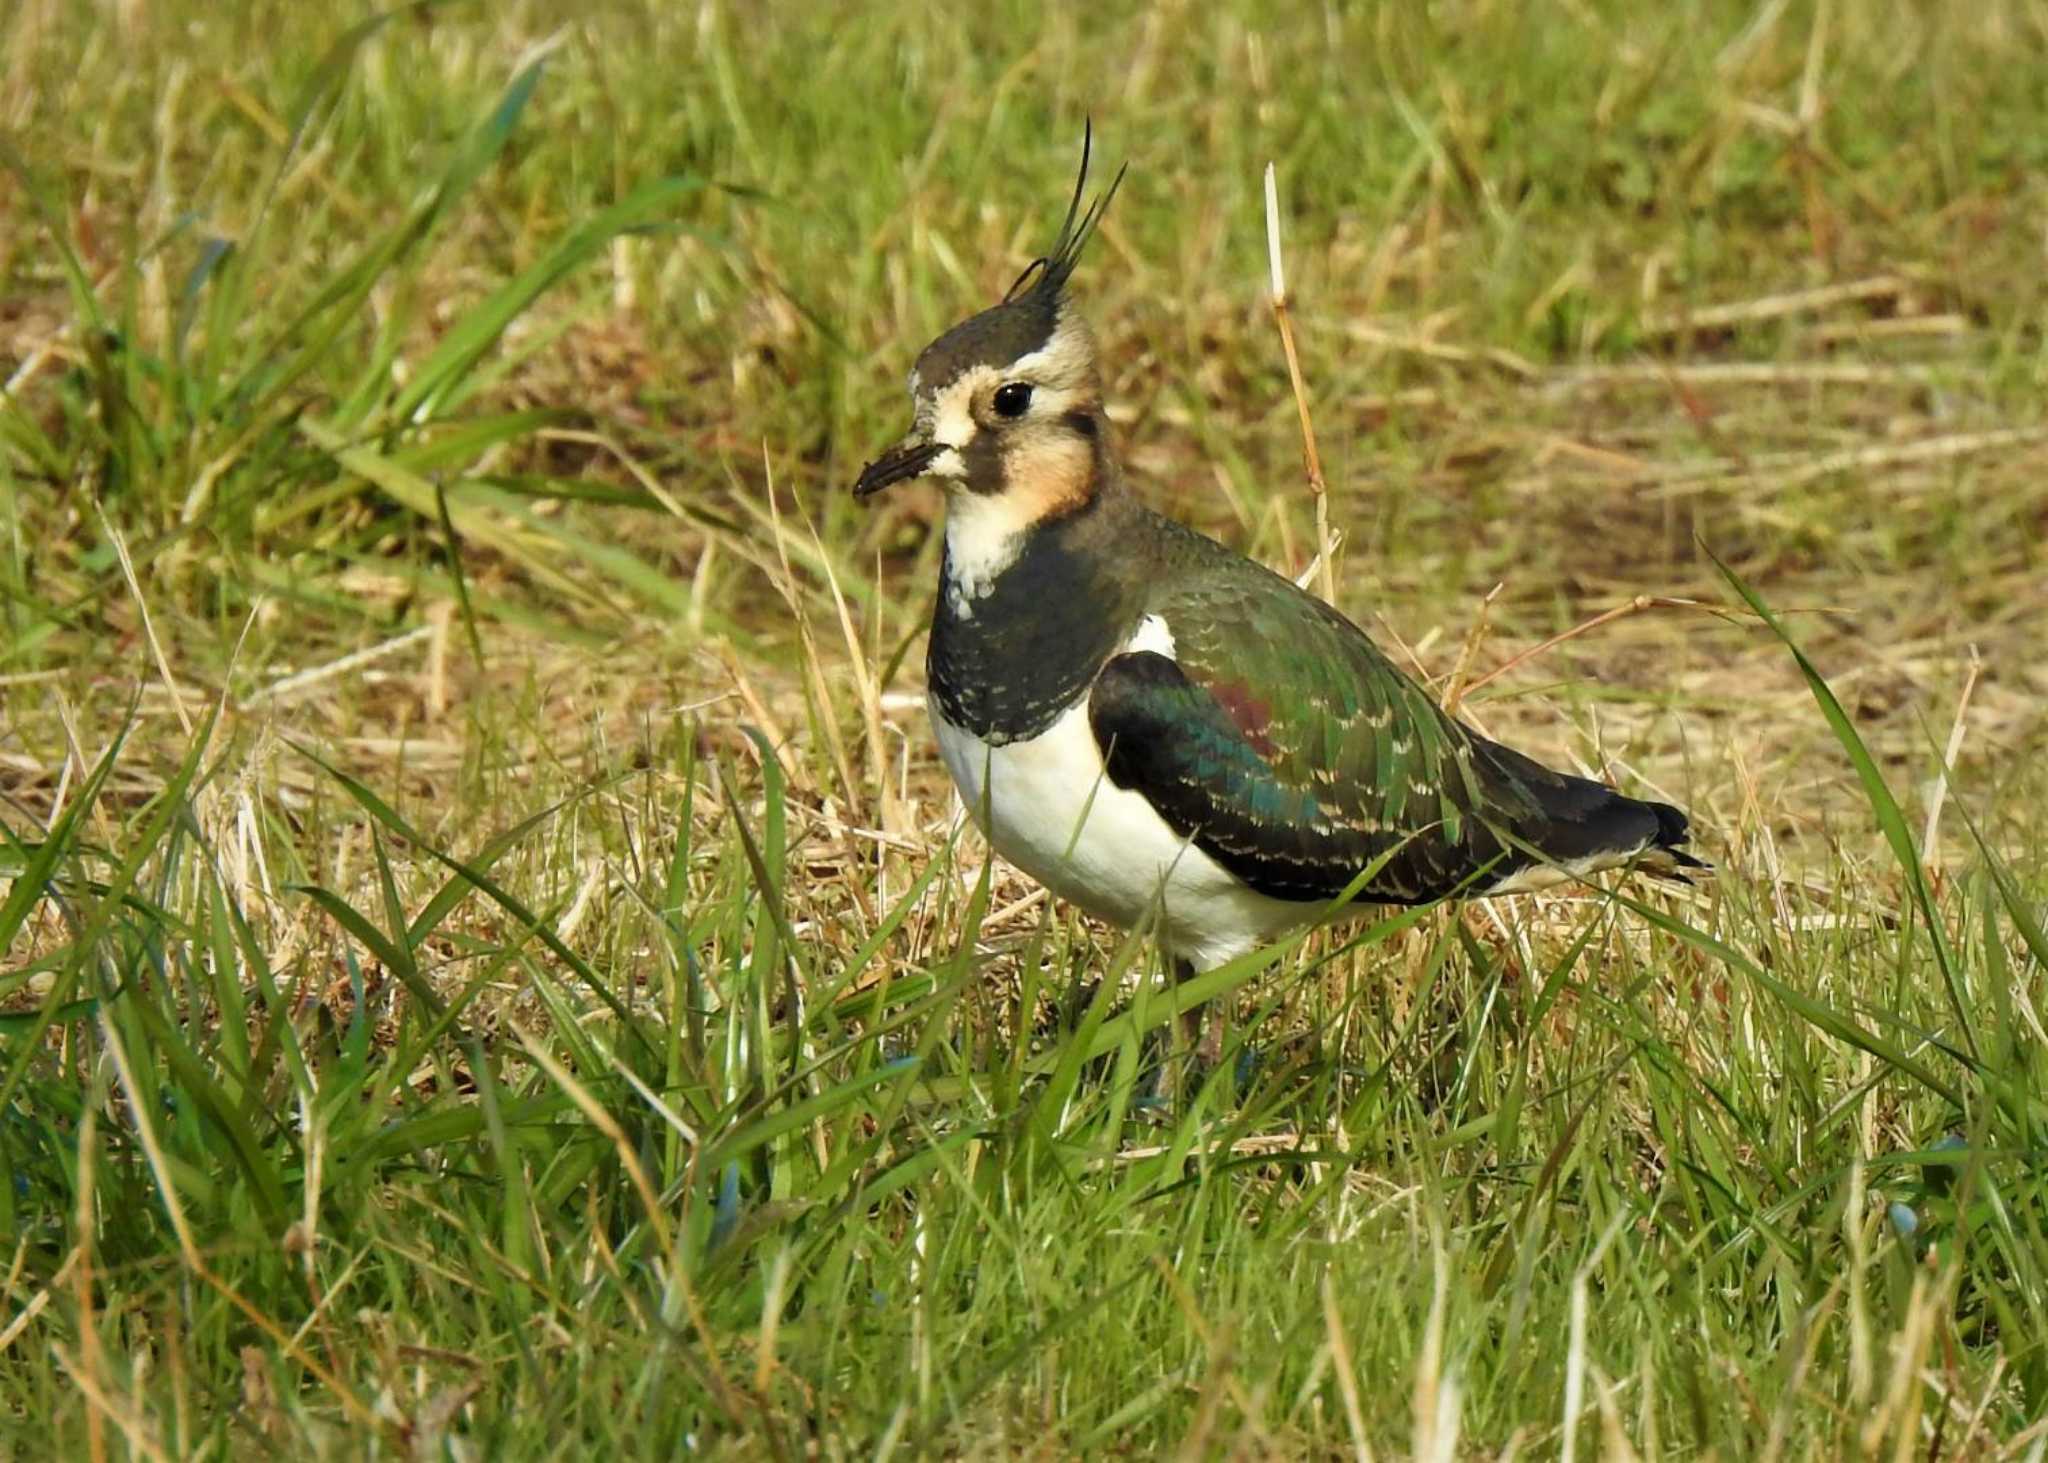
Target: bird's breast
{"x":1045,"y":803}
{"x":1009,"y":657}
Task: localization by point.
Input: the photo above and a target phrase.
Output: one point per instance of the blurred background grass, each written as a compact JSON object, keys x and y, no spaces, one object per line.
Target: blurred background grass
{"x":433,"y":1013}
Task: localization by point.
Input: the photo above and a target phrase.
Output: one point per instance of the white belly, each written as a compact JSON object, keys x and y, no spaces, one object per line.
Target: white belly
{"x":1047,"y":807}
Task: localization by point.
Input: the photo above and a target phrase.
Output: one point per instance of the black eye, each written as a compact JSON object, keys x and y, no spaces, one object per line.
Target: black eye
{"x":1013,"y":398}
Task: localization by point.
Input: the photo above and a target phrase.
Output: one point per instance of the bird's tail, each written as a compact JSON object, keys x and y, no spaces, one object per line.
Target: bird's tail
{"x":1666,"y":855}
{"x":1585,"y":826}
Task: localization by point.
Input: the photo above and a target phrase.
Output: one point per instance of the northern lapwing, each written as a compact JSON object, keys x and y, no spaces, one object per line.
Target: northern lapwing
{"x":1147,"y":722}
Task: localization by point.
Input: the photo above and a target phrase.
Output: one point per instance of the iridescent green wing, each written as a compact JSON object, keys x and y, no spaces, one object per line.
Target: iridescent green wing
{"x":1285,"y":745}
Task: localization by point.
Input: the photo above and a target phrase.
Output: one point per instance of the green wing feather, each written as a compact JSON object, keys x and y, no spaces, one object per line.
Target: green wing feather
{"x":1284,"y":743}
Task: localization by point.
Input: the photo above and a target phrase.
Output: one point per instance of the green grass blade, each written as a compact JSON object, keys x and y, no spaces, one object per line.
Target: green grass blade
{"x":1883,"y":806}
{"x":482,"y":327}
{"x":378,"y":809}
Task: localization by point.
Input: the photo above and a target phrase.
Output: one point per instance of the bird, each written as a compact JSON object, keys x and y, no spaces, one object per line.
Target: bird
{"x":1154,"y":726}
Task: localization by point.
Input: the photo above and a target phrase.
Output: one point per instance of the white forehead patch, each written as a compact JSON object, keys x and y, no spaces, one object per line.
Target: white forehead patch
{"x":953,"y":411}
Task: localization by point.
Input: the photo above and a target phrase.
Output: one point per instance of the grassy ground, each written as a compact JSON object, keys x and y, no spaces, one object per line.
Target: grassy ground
{"x":486,"y":962}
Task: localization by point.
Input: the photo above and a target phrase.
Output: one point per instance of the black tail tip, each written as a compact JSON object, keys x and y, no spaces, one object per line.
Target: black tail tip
{"x":1674,"y":830}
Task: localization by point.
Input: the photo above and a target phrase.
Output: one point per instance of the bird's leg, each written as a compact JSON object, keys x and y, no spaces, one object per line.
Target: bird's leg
{"x":1211,"y":1048}
{"x":1190,"y":1020}
{"x":1201,"y":1028}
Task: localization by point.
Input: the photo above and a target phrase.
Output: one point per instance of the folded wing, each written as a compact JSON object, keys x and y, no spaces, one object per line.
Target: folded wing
{"x":1280,"y":741}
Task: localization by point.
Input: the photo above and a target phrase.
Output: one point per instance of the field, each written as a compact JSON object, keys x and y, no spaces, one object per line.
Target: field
{"x":489,"y":966}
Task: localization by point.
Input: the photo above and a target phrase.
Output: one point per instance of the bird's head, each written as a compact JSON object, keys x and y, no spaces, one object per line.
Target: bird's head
{"x":1008,"y":404}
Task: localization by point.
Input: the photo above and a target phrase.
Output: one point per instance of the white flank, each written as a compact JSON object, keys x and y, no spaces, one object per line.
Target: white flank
{"x":1566,"y":871}
{"x":1047,"y":807}
{"x":1153,"y":634}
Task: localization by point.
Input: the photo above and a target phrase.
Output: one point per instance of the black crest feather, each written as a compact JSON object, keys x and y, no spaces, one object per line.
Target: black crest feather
{"x":1046,"y":276}
{"x":1029,"y":314}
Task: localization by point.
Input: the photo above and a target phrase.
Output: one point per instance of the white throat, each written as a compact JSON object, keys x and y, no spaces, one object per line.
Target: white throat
{"x":984,"y":535}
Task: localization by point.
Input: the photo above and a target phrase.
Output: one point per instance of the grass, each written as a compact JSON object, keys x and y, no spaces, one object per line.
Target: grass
{"x":487,"y":965}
